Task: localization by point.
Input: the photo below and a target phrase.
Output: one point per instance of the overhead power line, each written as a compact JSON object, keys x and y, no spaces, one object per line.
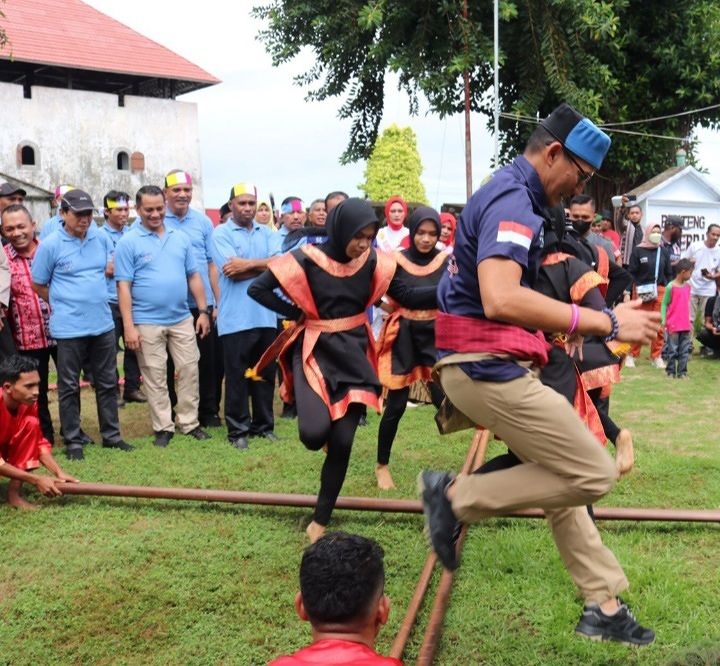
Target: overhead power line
{"x":534,"y":121}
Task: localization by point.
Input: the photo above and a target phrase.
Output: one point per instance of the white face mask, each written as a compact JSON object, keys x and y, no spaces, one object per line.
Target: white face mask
{"x":655,"y":237}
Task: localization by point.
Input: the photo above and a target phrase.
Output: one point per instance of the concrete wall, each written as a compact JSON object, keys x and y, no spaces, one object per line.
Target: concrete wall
{"x":77,"y":135}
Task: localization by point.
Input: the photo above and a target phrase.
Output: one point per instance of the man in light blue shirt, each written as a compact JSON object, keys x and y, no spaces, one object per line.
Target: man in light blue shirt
{"x":116,"y":209}
{"x":55,"y":222}
{"x":241,"y":249}
{"x":69,"y":271}
{"x":154,"y":267}
{"x":198,"y":228}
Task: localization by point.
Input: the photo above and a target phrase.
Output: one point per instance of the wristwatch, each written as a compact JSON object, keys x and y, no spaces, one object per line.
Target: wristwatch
{"x":207,"y":310}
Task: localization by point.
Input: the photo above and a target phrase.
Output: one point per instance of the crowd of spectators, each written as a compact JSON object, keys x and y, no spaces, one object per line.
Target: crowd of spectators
{"x":655,"y":256}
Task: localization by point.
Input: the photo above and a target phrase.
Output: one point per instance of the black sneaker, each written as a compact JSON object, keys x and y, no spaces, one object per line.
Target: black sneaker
{"x":240,"y":443}
{"x":270,"y":435}
{"x":212,"y":421}
{"x":162,"y":438}
{"x":198,"y":433}
{"x":120,"y":445}
{"x":134,"y":396}
{"x":74,"y":453}
{"x":441,"y":526}
{"x":621,"y":626}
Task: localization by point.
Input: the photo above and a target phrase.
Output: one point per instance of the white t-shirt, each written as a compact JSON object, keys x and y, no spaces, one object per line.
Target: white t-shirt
{"x":704,"y":257}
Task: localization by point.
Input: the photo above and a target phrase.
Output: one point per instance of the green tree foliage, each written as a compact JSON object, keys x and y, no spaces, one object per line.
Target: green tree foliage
{"x":394,"y":167}
{"x":615,"y":61}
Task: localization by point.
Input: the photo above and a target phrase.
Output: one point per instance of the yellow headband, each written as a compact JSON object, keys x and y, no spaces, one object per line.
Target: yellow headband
{"x":243,"y":188}
{"x":178,"y":178}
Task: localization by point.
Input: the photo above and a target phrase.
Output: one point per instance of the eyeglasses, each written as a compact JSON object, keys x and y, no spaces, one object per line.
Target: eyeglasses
{"x":583,"y":176}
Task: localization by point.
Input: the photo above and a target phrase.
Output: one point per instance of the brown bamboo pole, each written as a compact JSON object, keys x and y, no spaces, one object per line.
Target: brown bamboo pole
{"x":442,"y":596}
{"x":365,"y":503}
{"x":401,"y":639}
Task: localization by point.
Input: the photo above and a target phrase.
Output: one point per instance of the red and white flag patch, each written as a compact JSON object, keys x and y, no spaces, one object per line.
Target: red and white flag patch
{"x":514,"y":232}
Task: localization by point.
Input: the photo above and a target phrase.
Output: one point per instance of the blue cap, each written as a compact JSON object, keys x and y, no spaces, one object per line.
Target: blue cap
{"x":578,"y":134}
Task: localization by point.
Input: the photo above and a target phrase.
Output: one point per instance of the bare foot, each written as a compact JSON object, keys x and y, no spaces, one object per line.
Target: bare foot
{"x":384,"y":478}
{"x":16,"y":500}
{"x":624,"y":452}
{"x":314,"y":531}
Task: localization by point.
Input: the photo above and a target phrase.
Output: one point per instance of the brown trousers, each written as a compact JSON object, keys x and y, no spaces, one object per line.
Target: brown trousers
{"x":564,"y":469}
{"x":179,"y":340}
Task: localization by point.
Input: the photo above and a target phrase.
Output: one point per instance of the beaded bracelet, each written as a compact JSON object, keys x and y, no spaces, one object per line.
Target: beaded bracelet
{"x":574,"y":319}
{"x":615,"y":325}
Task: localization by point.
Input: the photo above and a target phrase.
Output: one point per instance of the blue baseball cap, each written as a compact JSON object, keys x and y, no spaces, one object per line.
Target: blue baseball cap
{"x":578,"y":135}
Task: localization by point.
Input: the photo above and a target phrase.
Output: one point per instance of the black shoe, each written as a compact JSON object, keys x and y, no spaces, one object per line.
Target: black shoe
{"x":198,"y":433}
{"x":120,"y":444}
{"x":706,"y":352}
{"x":621,"y":627}
{"x":440,"y":522}
{"x":240,"y":443}
{"x":85,"y":438}
{"x":268,"y":435}
{"x":211,"y":421}
{"x":75,"y":453}
{"x":134,"y":396}
{"x":363,"y":420}
{"x":162,"y":438}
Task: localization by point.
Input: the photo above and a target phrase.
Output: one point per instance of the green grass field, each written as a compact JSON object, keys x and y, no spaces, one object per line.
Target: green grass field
{"x":115,"y":581}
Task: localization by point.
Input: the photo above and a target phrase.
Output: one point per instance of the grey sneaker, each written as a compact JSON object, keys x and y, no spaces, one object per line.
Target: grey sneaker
{"x":440,"y":522}
{"x":621,"y":626}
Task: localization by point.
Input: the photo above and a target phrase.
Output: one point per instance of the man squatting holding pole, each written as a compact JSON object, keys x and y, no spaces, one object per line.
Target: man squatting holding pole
{"x":490,"y":346}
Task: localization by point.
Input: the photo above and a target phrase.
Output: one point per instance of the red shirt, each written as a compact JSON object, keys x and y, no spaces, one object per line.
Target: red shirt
{"x":21,"y":440}
{"x":29,"y":314}
{"x":333,"y":652}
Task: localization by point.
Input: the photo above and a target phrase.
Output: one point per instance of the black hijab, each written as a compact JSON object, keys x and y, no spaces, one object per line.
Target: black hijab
{"x":420,"y":215}
{"x":343,"y":222}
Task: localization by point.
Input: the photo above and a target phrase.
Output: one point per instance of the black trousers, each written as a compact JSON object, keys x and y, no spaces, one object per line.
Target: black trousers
{"x":603,"y":407}
{"x":395,"y":406}
{"x":316,"y":429}
{"x":99,"y":350}
{"x":709,"y":340}
{"x":7,"y":344}
{"x":209,"y":348}
{"x":42,"y":356}
{"x":131,"y":370}
{"x":242,"y":350}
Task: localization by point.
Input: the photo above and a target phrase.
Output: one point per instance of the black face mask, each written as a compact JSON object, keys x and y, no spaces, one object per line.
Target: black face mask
{"x":581,"y":227}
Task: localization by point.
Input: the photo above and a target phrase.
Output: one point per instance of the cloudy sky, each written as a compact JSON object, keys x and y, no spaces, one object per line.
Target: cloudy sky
{"x":256,"y":126}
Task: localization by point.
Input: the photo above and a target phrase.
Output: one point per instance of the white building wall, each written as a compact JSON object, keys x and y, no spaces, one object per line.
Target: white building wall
{"x":77,"y":135}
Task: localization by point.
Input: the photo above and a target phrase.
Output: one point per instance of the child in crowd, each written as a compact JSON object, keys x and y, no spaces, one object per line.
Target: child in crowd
{"x":342,"y":580}
{"x":675,"y":311}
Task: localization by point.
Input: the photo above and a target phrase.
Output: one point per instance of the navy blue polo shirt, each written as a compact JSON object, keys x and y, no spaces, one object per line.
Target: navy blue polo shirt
{"x":75,"y":270}
{"x":158,"y":267}
{"x":504,"y":218}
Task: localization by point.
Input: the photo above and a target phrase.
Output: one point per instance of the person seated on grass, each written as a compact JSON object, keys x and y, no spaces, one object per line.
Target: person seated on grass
{"x":342,"y":580}
{"x":22,"y":444}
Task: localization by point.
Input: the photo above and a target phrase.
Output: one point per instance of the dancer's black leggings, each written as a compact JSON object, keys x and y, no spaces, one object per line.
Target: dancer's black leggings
{"x":603,"y":408}
{"x":395,"y":406}
{"x":316,"y":429}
